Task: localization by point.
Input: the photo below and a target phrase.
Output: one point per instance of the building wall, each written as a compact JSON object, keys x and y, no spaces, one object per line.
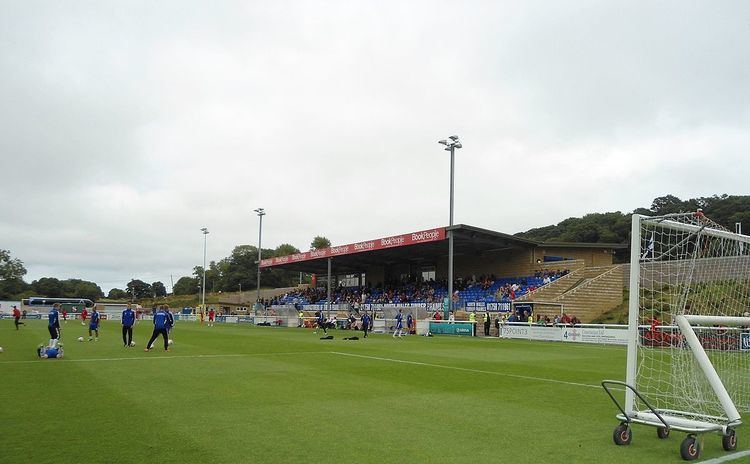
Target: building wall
{"x":591,"y":256}
{"x":514,"y":262}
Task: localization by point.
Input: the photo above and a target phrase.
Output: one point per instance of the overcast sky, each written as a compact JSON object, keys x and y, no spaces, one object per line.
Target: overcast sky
{"x":125,"y":127}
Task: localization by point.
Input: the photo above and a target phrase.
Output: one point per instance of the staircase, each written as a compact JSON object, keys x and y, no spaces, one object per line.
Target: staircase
{"x":585,"y":293}
{"x":553,"y":289}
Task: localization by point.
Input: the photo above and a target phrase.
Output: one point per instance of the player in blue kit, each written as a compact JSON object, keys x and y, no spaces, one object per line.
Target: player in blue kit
{"x":128,"y":320}
{"x":170,"y":319}
{"x":94,"y":324}
{"x":54,"y":323}
{"x":365,"y":323}
{"x":321,"y":320}
{"x":160,"y":327}
{"x":399,"y":325}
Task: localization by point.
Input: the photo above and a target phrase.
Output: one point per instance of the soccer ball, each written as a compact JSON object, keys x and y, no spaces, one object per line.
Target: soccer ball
{"x":170,"y":341}
{"x":1,"y":349}
{"x":132,"y":343}
{"x":80,"y":339}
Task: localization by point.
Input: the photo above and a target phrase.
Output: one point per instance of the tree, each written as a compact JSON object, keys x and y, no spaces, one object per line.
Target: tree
{"x":75,"y":288}
{"x":10,"y":268}
{"x":14,"y":288}
{"x":159,"y":289}
{"x":48,"y":286}
{"x":320,"y":243}
{"x":185,"y":286}
{"x":117,"y":294}
{"x":140,"y":289}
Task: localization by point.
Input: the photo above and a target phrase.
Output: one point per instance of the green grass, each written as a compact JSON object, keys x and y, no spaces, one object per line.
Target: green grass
{"x":230,"y":394}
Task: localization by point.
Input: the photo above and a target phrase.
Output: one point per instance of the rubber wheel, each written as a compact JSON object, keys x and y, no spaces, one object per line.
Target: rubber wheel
{"x":662,"y":432}
{"x":729,"y":440}
{"x":622,"y":435}
{"x":690,"y":448}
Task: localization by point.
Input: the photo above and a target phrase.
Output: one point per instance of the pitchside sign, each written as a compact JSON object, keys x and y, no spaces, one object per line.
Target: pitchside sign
{"x":423,"y":236}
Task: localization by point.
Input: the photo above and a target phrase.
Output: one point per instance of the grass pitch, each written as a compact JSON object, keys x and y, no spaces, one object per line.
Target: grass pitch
{"x":237,"y":393}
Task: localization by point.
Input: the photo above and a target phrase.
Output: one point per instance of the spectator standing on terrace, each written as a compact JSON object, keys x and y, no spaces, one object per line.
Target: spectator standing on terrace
{"x":451,"y":318}
{"x":409,"y":322}
{"x":497,"y":324}
{"x":486,"y":324}
{"x":17,"y":317}
{"x":300,"y":318}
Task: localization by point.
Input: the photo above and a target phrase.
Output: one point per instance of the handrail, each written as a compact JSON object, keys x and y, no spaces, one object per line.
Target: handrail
{"x":528,"y":295}
{"x":573,"y":291}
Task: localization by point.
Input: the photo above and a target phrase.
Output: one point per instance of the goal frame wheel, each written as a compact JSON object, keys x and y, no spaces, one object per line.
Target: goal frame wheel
{"x":690,"y":448}
{"x":622,"y":434}
{"x":729,"y":440}
{"x":662,"y":432}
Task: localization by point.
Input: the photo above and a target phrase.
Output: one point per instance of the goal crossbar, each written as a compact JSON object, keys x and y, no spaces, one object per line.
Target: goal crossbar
{"x":666,"y":223}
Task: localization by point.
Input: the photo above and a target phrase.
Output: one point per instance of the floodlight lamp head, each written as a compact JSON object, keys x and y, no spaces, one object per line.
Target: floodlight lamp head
{"x":204,"y":230}
{"x":454,"y":138}
{"x":260,"y":211}
{"x":458,"y":145}
{"x":443,"y":142}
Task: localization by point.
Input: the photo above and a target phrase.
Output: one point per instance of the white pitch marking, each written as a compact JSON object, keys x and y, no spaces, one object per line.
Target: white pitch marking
{"x":727,"y":458}
{"x":150,"y":357}
{"x":466,"y":369}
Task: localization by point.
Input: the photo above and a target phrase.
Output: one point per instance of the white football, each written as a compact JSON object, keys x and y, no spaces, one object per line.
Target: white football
{"x":170,"y":341}
{"x":132,"y":343}
{"x":1,"y":349}
{"x":80,"y":339}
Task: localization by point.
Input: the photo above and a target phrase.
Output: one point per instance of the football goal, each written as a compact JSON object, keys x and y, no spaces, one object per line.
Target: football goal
{"x":688,"y":358}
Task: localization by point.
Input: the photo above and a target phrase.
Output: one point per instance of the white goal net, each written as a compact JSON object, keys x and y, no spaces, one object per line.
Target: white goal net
{"x":689,"y":315}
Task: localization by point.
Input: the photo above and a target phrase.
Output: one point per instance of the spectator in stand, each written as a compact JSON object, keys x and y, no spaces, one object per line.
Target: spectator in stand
{"x":497,"y":324}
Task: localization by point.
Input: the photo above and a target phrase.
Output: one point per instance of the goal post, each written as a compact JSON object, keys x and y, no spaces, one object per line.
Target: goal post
{"x":688,"y":355}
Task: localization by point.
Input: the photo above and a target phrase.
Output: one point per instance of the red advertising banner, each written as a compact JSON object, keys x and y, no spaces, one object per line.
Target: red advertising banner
{"x":423,"y":236}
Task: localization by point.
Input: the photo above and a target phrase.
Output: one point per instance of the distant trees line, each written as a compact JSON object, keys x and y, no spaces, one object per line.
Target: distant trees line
{"x":239,"y":269}
{"x":615,"y":227}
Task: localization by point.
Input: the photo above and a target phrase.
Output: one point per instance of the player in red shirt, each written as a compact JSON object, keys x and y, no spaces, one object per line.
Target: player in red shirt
{"x":84,"y":315}
{"x":65,"y":315}
{"x":211,"y":316}
{"x":17,"y":317}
